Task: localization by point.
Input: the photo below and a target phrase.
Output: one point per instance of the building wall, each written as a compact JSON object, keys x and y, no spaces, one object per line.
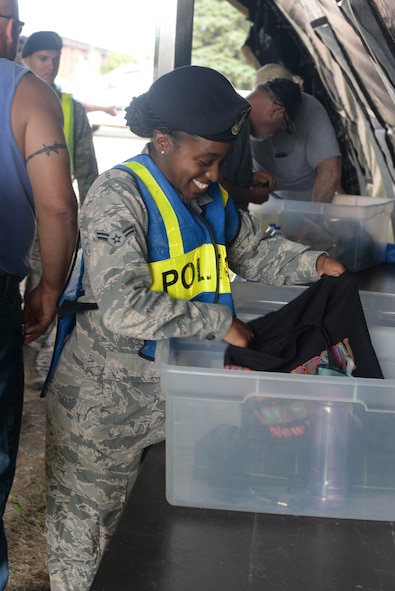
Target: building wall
{"x":78,"y":59}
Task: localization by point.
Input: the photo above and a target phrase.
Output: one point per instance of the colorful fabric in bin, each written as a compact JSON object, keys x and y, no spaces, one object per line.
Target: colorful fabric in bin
{"x":283,"y":419}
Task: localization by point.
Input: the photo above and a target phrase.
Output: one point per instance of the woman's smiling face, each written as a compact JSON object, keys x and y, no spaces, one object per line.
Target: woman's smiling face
{"x":190,"y":163}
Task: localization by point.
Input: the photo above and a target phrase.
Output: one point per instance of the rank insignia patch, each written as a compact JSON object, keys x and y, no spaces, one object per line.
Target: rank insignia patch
{"x":116,"y":237}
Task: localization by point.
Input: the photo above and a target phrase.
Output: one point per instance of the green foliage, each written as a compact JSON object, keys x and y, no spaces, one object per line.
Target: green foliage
{"x":115,"y":59}
{"x":17,"y":506}
{"x":219,"y":33}
{"x":30,"y":510}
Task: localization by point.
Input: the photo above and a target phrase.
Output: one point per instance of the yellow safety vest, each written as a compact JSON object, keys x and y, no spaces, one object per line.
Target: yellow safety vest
{"x":68,"y":123}
{"x":197,"y":271}
{"x":186,"y":253}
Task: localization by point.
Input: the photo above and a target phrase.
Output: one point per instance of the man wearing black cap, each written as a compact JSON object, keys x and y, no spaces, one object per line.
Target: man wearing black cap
{"x":41,"y":53}
{"x":291,"y":142}
{"x":35,"y":190}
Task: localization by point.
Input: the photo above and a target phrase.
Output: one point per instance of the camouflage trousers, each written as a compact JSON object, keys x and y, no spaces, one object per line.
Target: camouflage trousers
{"x":102,"y":411}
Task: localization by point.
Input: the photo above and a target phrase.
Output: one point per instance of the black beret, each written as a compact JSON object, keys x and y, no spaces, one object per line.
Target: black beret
{"x":199,"y":101}
{"x":42,"y":40}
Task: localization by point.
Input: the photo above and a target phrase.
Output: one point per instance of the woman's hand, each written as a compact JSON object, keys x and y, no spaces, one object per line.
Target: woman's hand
{"x":327,"y":266}
{"x":239,"y":334}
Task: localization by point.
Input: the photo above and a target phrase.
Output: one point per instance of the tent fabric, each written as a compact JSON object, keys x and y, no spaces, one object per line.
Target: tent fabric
{"x":345,"y":53}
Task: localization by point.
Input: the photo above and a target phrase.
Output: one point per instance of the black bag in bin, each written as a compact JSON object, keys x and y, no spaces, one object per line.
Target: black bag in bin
{"x":324,"y":324}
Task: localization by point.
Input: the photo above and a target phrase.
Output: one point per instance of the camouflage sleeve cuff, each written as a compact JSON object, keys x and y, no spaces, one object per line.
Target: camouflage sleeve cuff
{"x":307,"y":269}
{"x":218,"y":320}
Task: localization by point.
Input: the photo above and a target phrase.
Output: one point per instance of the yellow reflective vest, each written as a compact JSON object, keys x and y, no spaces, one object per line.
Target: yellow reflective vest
{"x":186,"y":252}
{"x":68,"y":123}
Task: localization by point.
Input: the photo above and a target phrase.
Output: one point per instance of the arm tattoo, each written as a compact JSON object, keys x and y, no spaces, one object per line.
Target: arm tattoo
{"x":47,"y":150}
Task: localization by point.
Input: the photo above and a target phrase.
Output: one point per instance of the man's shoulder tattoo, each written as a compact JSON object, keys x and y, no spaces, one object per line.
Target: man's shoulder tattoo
{"x":56,"y":147}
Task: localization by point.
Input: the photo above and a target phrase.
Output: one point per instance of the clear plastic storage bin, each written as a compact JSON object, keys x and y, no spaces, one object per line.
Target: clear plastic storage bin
{"x":218,"y":456}
{"x":352,"y":229}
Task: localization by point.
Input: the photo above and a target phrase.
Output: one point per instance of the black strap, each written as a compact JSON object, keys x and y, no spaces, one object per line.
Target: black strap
{"x":69,"y":307}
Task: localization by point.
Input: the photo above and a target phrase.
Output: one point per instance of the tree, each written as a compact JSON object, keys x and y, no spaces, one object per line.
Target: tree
{"x":219,"y":33}
{"x":115,"y":59}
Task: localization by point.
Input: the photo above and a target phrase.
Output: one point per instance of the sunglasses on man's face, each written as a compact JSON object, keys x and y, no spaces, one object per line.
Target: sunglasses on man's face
{"x":19,"y":24}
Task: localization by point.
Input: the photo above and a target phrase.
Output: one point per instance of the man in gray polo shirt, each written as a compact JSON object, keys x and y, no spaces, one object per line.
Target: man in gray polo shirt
{"x":291,"y":140}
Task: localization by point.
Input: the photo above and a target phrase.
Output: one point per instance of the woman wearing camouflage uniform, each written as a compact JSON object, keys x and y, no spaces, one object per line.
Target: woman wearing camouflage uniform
{"x":158,"y":235}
